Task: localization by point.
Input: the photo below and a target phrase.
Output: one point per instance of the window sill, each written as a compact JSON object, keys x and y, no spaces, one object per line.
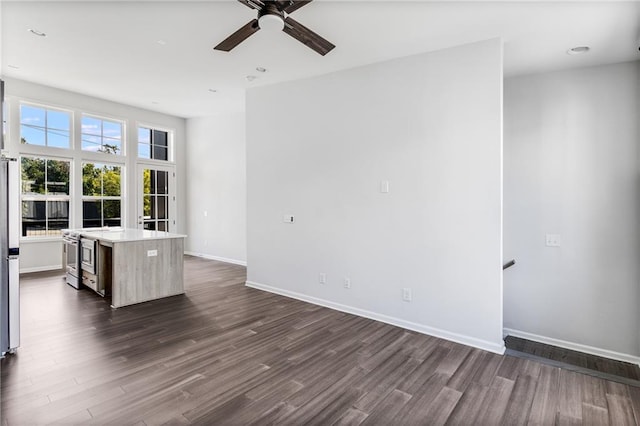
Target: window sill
{"x":40,"y":240}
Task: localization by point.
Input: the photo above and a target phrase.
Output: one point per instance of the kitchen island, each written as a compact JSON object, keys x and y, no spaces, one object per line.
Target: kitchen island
{"x":135,"y":265}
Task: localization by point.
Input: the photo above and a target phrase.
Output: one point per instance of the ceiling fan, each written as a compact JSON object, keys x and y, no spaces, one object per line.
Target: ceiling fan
{"x":273,"y":14}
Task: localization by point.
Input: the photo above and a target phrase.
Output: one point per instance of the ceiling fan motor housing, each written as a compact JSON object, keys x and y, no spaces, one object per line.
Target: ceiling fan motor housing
{"x":270,"y":18}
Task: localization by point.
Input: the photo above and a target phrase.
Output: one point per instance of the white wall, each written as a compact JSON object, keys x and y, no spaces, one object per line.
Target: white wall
{"x":572,"y":167}
{"x":42,"y":255}
{"x":319,"y":148}
{"x":1,"y":55}
{"x":216,"y":172}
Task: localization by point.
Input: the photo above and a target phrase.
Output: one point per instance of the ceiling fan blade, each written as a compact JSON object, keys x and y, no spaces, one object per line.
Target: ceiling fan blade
{"x":295,"y":5}
{"x":253,"y":4}
{"x":306,"y":36}
{"x":238,"y":37}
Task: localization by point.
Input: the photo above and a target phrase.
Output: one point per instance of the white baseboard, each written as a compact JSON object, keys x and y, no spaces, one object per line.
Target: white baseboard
{"x":605,"y":353}
{"x":218,"y":258}
{"x":40,"y":269}
{"x":443,"y":334}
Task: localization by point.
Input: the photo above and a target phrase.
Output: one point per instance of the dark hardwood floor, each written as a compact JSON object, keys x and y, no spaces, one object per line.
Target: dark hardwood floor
{"x":597,"y":364}
{"x":227,"y":354}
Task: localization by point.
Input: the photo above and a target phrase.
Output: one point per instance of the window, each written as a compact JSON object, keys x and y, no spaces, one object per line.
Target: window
{"x":100,"y":135}
{"x":45,"y":196}
{"x":153,"y":144}
{"x":155,"y":189}
{"x":44,"y":126}
{"x":101,"y":195}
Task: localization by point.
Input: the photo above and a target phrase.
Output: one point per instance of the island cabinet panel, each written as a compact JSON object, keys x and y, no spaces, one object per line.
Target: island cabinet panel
{"x":146,"y":270}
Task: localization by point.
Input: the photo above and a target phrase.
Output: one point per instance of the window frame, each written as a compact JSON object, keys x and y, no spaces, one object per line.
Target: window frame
{"x":46,"y":198}
{"x":123,"y":135}
{"x":103,"y":197}
{"x":170,"y":144}
{"x":45,"y":107}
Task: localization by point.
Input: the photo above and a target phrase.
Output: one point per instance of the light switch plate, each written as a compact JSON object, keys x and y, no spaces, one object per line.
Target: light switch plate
{"x":406,"y":294}
{"x":384,"y":186}
{"x":288,"y":218}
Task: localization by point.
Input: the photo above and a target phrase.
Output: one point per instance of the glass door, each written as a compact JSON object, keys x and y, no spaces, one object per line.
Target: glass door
{"x":156,"y":199}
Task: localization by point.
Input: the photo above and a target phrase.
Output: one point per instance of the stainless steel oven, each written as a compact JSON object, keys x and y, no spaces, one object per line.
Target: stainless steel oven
{"x":71,"y":241}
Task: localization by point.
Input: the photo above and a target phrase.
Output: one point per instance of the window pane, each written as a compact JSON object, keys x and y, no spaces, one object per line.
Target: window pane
{"x":32,"y":116}
{"x":58,"y":138}
{"x":58,"y":216}
{"x":91,"y":143}
{"x":111,"y":146}
{"x":58,"y":129}
{"x":58,"y":209}
{"x":33,"y":173}
{"x":91,"y":217}
{"x":31,"y":135}
{"x":112,"y":129}
{"x":144,"y":151}
{"x":162,"y":207}
{"x":91,"y":180}
{"x":111,"y":212}
{"x":160,"y":138}
{"x":91,"y":126}
{"x":144,"y":135}
{"x":150,"y":226}
{"x":161,"y":186}
{"x":32,"y":125}
{"x":111,"y":181}
{"x":162,"y":225}
{"x":149,"y":181}
{"x":144,"y":140}
{"x":57,"y":177}
{"x":160,"y":153}
{"x":150,"y":207}
{"x":58,"y":120}
{"x":33,"y":218}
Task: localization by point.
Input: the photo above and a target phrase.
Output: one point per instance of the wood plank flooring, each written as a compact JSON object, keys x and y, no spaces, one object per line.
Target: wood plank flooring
{"x":575,"y":358}
{"x":227,"y":354}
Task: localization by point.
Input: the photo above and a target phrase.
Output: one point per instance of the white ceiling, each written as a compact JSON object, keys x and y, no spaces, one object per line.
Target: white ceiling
{"x":110,"y":49}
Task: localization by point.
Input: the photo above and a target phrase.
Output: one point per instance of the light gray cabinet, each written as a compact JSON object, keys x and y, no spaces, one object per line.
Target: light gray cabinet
{"x":139,"y":271}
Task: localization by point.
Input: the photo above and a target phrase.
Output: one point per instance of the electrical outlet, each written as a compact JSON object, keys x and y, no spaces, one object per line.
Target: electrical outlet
{"x":322,"y":278}
{"x":152,"y":253}
{"x":553,"y":240}
{"x":288,"y":218}
{"x":347,"y":283}
{"x":406,"y":294}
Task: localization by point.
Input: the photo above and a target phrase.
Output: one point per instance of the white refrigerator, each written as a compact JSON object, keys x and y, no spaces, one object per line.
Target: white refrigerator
{"x":9,"y":249}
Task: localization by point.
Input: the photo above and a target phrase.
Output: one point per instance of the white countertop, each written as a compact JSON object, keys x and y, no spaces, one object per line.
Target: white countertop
{"x":117,"y":235}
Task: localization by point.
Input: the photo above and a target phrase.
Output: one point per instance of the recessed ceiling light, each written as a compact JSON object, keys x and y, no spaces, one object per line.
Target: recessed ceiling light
{"x":578,"y":50}
{"x":15,"y":67}
{"x":161,"y":42}
{"x":36,"y":32}
{"x":251,"y":77}
{"x":261,"y":69}
{"x":213,"y":90}
{"x":155,"y":102}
